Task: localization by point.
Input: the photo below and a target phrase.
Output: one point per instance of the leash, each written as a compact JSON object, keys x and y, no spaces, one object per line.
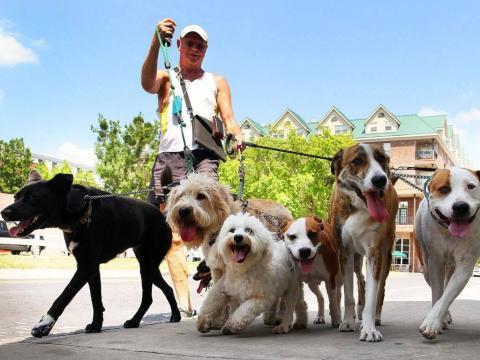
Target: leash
{"x":177,"y":100}
{"x":106,"y":196}
{"x":231,"y":152}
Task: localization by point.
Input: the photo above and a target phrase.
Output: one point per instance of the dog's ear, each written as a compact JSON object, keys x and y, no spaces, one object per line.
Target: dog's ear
{"x":336,"y":162}
{"x":76,"y":200}
{"x":319,"y":221}
{"x":34,"y":175}
{"x":283,"y":226}
{"x":61,"y":183}
{"x":478,"y":174}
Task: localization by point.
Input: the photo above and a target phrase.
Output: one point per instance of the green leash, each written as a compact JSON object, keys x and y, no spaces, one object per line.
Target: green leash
{"x":177,"y":105}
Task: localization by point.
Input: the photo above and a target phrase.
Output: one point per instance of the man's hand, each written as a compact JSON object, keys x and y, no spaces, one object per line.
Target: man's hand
{"x":239,"y":143}
{"x":166,"y":27}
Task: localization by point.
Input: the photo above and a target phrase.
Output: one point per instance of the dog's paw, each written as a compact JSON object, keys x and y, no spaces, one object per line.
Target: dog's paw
{"x":448,"y":317}
{"x":44,"y":326}
{"x":93,"y":328}
{"x":347,"y":325}
{"x":129,"y":324}
{"x":431,"y":327}
{"x":378,"y":322}
{"x":176,"y":317}
{"x":300,"y":325}
{"x":370,"y":334}
{"x":281,"y":329}
{"x":319,"y":320}
{"x":335,"y":323}
{"x":231,"y":328}
{"x":203,"y":324}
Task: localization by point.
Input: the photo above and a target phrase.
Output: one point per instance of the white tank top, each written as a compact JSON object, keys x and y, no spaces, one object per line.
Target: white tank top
{"x":203,"y":96}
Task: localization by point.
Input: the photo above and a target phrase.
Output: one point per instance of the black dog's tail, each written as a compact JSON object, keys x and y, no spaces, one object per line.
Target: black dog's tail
{"x":166,"y":179}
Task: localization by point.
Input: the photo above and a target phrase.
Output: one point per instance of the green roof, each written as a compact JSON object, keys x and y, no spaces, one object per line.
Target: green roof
{"x":300,"y":119}
{"x":437,"y":121}
{"x":259,"y":127}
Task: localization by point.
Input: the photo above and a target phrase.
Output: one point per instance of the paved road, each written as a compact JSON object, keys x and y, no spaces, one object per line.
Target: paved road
{"x":26,"y":297}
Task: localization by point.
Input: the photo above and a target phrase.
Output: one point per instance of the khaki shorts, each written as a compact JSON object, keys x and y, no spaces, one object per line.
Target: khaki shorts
{"x":205,"y":162}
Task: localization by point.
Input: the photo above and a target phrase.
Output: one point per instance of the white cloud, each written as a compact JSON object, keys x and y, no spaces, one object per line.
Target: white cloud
{"x":468,"y":116}
{"x":12,"y":52}
{"x":428,"y":111}
{"x":72,"y":152}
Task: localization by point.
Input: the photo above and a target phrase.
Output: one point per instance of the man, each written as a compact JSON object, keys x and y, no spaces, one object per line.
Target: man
{"x":209,"y":94}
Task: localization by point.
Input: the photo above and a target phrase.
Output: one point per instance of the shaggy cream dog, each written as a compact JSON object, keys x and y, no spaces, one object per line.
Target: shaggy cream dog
{"x":259,"y":272}
{"x":199,"y":205}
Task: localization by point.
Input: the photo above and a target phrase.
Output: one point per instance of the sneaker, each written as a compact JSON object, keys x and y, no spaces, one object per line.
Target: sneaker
{"x":188,"y":314}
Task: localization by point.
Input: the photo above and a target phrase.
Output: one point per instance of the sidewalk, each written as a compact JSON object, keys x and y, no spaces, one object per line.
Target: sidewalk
{"x":182,"y":341}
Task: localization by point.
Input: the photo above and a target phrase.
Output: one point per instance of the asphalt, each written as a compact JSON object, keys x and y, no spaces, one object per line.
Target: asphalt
{"x":182,"y":341}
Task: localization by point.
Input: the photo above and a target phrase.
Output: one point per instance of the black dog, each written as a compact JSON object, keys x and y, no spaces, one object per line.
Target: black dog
{"x":95,"y":232}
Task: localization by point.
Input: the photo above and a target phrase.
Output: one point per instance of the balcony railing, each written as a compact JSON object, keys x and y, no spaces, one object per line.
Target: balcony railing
{"x":425,"y":155}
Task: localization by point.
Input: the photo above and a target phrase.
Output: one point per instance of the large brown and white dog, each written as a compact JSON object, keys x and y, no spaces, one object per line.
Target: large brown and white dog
{"x":198,"y":207}
{"x":448,"y":233}
{"x":315,"y":249}
{"x":365,"y":204}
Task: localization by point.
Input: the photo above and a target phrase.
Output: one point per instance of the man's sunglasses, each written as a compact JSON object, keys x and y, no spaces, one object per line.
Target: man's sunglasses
{"x":195,"y":44}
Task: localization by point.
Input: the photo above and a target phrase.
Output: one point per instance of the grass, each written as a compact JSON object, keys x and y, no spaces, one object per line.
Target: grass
{"x":47,"y":261}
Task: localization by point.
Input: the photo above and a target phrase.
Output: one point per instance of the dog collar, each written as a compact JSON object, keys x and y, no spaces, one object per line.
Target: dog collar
{"x":438,"y":220}
{"x":83,"y":221}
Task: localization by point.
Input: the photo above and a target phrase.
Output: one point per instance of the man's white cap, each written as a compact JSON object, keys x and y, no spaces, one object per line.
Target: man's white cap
{"x":196,"y":29}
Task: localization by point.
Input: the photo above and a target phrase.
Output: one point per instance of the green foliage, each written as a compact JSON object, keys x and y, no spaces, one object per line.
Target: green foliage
{"x":15,"y":161}
{"x":63,"y":168}
{"x":83,"y":177}
{"x":86,"y":178}
{"x":303,"y":185}
{"x":125,"y":154}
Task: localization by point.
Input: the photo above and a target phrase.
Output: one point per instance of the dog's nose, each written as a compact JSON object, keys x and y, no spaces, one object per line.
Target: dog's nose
{"x":460,"y":208}
{"x":6,"y":213}
{"x":238,"y":238}
{"x":379,"y":181}
{"x":185,"y":211}
{"x":304,"y":252}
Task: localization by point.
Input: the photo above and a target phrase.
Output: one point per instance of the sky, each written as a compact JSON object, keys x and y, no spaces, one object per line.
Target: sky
{"x":62,"y":63}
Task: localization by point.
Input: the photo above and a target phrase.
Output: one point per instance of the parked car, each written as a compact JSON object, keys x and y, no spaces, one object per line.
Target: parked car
{"x":476,"y":271}
{"x":33,"y":243}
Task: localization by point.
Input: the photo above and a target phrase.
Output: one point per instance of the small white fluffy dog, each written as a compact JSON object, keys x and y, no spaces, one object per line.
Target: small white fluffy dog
{"x":259,"y":272}
{"x":447,"y":230}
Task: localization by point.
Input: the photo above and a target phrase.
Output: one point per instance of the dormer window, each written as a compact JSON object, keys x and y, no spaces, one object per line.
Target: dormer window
{"x":334,"y":119}
{"x":246,"y":126}
{"x":388,"y":127}
{"x":373,"y":127}
{"x":381,"y":115}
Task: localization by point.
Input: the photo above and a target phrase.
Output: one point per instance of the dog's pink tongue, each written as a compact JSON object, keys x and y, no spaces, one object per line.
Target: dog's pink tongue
{"x":187,"y":233}
{"x":239,"y":254}
{"x":306,"y":265}
{"x":376,"y":207}
{"x":459,"y":229}
{"x":16,"y":229}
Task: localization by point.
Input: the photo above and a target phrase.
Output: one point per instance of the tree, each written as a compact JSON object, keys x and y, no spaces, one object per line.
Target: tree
{"x":302,"y":184}
{"x":15,"y":160}
{"x":125,"y":154}
{"x":86,"y":178}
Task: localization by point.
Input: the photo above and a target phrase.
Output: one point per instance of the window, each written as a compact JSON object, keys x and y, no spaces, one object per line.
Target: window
{"x":373,"y":127}
{"x":401,"y":253}
{"x":402,"y":214}
{"x":334,"y":119}
{"x":381,"y":115}
{"x":388,"y":127}
{"x":251,"y":138}
{"x":341,"y":129}
{"x":246,"y":126}
{"x":387,"y":147}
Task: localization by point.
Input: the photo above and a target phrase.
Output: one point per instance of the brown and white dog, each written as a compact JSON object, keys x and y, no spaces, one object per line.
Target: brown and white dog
{"x":365,"y":204}
{"x":447,"y":231}
{"x":315,"y":249}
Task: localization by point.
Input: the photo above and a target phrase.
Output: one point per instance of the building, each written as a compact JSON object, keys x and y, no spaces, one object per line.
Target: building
{"x":409,"y":140}
{"x":51,"y":162}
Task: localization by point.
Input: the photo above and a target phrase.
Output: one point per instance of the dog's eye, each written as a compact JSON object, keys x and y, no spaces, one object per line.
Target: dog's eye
{"x":201,"y":196}
{"x":232,"y":230}
{"x":292,"y":237}
{"x":471,"y":186}
{"x":357,"y":161}
{"x":249,"y":231}
{"x":444,"y":190}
